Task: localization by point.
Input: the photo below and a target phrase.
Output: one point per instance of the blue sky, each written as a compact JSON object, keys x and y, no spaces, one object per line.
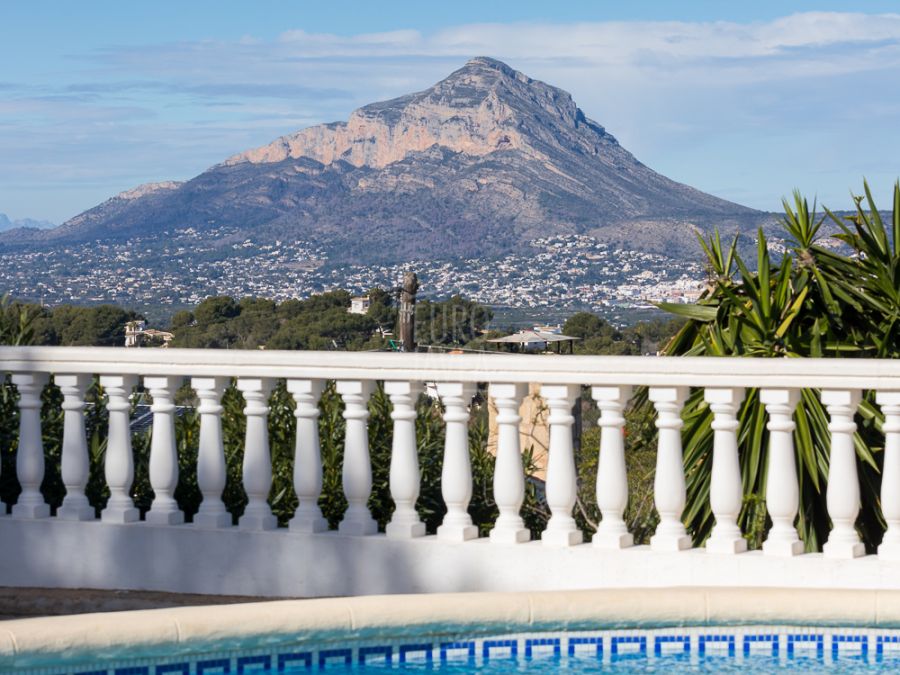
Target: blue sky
{"x":743,"y":100}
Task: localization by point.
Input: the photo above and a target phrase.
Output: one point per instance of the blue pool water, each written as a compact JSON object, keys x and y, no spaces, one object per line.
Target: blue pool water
{"x":702,"y":649}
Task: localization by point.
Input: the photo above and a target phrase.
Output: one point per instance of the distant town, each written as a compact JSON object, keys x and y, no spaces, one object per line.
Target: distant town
{"x":182,"y":267}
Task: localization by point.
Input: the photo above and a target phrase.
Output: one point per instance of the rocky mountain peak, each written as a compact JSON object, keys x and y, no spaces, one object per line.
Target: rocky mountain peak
{"x":483,"y":107}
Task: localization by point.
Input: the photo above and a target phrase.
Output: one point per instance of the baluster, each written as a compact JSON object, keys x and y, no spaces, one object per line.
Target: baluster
{"x":842,"y":495}
{"x":30,"y":455}
{"x":211,"y":469}
{"x":612,"y":477}
{"x":509,"y":474}
{"x":726,"y":490}
{"x":562,"y":482}
{"x":890,"y":476}
{"x":75,"y":461}
{"x":163,"y":452}
{"x":456,"y":473}
{"x":357,"y":470}
{"x":307,"y":457}
{"x":119,"y":467}
{"x":257,"y":468}
{"x":404,"y":473}
{"x":668,"y":486}
{"x":782,"y":488}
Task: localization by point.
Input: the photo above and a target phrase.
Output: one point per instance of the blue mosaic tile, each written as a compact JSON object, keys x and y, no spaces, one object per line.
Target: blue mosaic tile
{"x":530,"y":643}
{"x":385,"y":651}
{"x":816,"y":638}
{"x":222,"y":665}
{"x":771,"y":638}
{"x":861,"y":640}
{"x":328,"y":657}
{"x":133,"y":670}
{"x":92,"y":672}
{"x":294,"y":659}
{"x":661,"y":640}
{"x":703,"y":639}
{"x":512,"y":645}
{"x":640,"y":640}
{"x":469,"y":646}
{"x":881,"y":641}
{"x":253,"y":663}
{"x":173,"y":668}
{"x":423,"y":648}
{"x":597,"y":641}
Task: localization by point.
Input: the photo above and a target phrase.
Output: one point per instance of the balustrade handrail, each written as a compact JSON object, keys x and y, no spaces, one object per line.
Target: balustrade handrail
{"x":880,"y":374}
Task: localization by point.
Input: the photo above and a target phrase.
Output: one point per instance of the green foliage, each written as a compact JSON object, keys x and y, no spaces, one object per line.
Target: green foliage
{"x":456,"y":321}
{"x":814,"y":302}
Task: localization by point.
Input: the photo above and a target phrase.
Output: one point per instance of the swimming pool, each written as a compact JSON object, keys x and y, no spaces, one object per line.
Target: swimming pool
{"x":619,"y":631}
{"x":703,"y":649}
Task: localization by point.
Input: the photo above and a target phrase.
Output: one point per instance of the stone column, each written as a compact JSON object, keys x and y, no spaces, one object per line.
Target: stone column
{"x":890,"y":475}
{"x":357,"y":469}
{"x":669,"y":487}
{"x":211,"y":467}
{"x":726,"y":489}
{"x":257,"y":467}
{"x":509,"y":474}
{"x":612,"y":477}
{"x":782,"y":488}
{"x":842,"y":495}
{"x":562,"y":481}
{"x":30,"y":454}
{"x":75,"y":460}
{"x":456,"y":473}
{"x":163,"y":452}
{"x":404,"y":472}
{"x":119,"y":465}
{"x":307,"y":457}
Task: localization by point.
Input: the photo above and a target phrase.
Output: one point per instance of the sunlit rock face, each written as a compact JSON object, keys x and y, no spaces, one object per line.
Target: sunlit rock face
{"x":477,"y":165}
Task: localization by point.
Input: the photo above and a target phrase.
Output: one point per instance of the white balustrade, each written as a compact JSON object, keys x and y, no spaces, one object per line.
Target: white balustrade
{"x":163,"y":452}
{"x":357,"y":470}
{"x":119,"y":466}
{"x":726,"y":489}
{"x":890,"y":474}
{"x":215,"y":557}
{"x":509,"y":473}
{"x":404,"y":473}
{"x":30,"y":455}
{"x":456,"y":472}
{"x":612,"y":477}
{"x":257,"y":467}
{"x":562,"y":480}
{"x":782,"y":489}
{"x":668,"y":485}
{"x":211,"y":469}
{"x":842,"y":495}
{"x":307,"y":457}
{"x":75,"y":462}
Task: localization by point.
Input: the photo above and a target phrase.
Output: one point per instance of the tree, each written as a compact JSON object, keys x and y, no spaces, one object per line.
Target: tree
{"x":814,"y":302}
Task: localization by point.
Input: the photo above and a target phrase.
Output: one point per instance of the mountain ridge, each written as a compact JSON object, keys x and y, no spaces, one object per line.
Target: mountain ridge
{"x":482,"y":162}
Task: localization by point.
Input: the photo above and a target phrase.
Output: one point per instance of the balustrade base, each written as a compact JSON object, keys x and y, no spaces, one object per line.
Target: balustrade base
{"x":52,"y":553}
{"x":783,"y":549}
{"x":457,"y":533}
{"x":612,"y":540}
{"x":562,"y":538}
{"x":308,"y":525}
{"x":726,"y":546}
{"x":119,"y":515}
{"x":212,"y":521}
{"x":358,"y":528}
{"x":164,"y":517}
{"x":889,"y":550}
{"x":680,"y":542}
{"x":844,"y":550}
{"x":30,"y":511}
{"x":251,"y":522}
{"x":81,"y":512}
{"x":510,"y":536}
{"x":405,"y":530}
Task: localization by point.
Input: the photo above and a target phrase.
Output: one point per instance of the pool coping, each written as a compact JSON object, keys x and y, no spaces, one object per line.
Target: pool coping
{"x":35,"y":641}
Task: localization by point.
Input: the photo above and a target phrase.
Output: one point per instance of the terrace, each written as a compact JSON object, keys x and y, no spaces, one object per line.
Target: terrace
{"x":73,"y":549}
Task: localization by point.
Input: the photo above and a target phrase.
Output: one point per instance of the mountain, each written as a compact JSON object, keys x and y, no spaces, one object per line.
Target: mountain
{"x":7,"y":224}
{"x":481,"y":163}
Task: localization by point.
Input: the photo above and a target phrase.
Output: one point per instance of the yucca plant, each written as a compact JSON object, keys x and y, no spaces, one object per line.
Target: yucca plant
{"x":816,"y":301}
